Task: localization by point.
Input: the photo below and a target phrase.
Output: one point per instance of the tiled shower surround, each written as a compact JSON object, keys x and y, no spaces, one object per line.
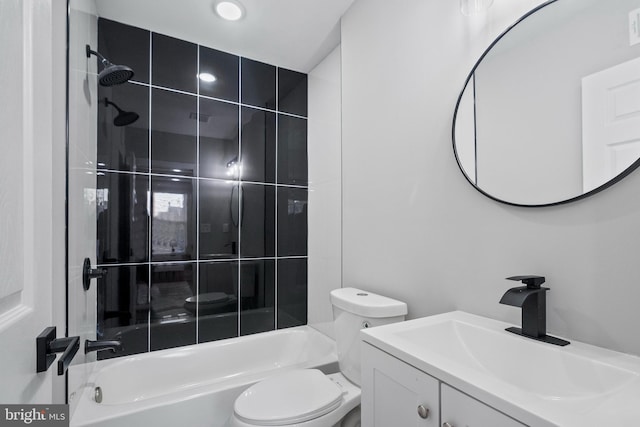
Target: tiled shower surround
{"x":202,"y":201}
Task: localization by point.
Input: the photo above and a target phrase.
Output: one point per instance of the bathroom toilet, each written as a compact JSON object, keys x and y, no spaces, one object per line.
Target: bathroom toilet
{"x":308,"y":397}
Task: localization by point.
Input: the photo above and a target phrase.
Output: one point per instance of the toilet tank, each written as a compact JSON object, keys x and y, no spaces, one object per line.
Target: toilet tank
{"x":353,"y":310}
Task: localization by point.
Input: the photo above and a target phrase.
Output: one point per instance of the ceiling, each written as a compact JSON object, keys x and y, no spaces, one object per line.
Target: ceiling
{"x":294,"y":34}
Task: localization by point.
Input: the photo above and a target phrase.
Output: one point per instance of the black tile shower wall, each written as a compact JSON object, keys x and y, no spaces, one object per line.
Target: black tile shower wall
{"x":219,"y":219}
{"x":122,"y":218}
{"x":258,"y":145}
{"x":173,"y":219}
{"x":123,"y":309}
{"x":174,"y":133}
{"x":258,"y":202}
{"x":292,"y":92}
{"x":125,"y":45}
{"x":224,"y":67}
{"x":172,"y":324}
{"x":292,"y":292}
{"x":202,"y":198}
{"x":258,"y":296}
{"x":124,"y":148}
{"x":292,"y":150}
{"x":174,"y":63}
{"x":218,"y":300}
{"x":292,"y":221}
{"x":258,"y":84}
{"x":219,"y":142}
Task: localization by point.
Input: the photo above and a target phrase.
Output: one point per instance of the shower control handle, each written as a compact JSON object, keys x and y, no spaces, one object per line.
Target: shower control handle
{"x":47,"y":345}
{"x":447,"y":425}
{"x":88,"y":273}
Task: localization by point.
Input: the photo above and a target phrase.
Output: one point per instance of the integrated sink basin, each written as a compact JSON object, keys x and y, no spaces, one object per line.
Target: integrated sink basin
{"x":542,"y":384}
{"x":539,"y":369}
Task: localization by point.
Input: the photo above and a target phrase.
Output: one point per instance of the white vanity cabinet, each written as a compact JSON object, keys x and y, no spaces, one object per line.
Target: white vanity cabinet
{"x":397,"y":394}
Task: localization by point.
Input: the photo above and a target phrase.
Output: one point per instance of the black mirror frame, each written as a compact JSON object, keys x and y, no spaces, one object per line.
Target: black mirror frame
{"x":604,"y":186}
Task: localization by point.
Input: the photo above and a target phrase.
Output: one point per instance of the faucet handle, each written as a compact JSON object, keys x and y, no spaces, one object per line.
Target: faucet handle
{"x":532,"y":282}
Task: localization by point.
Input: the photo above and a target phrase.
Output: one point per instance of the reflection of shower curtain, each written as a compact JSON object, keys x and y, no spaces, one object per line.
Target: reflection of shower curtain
{"x":139,"y":218}
{"x":235,"y":209}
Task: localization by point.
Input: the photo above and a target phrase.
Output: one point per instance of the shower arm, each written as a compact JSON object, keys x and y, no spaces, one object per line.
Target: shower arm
{"x":105,"y":61}
{"x":107,"y":103}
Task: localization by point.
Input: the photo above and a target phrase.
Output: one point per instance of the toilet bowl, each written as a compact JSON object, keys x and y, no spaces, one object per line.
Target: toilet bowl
{"x":308,"y":397}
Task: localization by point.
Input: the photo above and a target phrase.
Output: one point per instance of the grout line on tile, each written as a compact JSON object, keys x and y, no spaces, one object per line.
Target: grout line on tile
{"x":197,"y":275}
{"x":149,"y":198}
{"x":239,"y":164}
{"x":212,"y":98}
{"x":275,"y":219}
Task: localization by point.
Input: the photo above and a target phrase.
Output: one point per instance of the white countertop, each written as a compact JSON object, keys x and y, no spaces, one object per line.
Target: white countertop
{"x":536,"y":383}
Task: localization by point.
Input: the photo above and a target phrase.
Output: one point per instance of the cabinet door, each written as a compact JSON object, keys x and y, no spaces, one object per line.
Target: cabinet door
{"x":460,"y":410}
{"x":396,"y":394}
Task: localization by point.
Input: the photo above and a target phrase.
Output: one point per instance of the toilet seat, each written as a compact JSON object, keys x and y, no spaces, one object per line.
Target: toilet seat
{"x":291,"y":398}
{"x":210,"y":303}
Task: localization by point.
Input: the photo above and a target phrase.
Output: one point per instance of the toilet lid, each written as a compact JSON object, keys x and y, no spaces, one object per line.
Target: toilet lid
{"x":294,"y":397}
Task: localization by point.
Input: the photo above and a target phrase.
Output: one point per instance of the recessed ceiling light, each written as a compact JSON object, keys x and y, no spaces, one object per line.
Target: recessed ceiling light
{"x":207,"y":77}
{"x":229,"y":10}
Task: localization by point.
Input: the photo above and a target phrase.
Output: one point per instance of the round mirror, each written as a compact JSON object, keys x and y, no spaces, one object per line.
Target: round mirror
{"x":551,"y":111}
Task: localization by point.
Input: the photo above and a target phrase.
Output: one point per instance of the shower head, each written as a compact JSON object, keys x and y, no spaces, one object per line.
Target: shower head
{"x":124,"y":118}
{"x":115,"y":75}
{"x":111,"y":74}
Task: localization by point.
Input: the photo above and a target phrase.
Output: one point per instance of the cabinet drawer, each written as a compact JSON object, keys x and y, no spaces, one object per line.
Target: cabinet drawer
{"x":460,"y":410}
{"x":395,"y":393}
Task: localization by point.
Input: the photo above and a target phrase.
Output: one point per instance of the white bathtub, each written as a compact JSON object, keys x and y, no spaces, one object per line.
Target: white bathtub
{"x":195,"y":386}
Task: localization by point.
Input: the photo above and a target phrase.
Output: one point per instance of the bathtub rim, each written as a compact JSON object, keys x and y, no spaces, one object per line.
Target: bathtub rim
{"x":89,"y":411}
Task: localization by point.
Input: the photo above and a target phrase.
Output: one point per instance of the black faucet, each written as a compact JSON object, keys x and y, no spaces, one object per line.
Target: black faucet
{"x":113,"y":345}
{"x":532,"y":299}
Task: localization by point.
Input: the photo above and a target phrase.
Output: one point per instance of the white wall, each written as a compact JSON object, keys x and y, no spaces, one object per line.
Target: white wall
{"x":324,"y":244}
{"x":465,"y":132}
{"x":414,"y":229}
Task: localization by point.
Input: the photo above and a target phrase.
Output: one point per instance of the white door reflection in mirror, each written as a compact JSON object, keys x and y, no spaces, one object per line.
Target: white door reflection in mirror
{"x":519,"y":122}
{"x":610,"y":122}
